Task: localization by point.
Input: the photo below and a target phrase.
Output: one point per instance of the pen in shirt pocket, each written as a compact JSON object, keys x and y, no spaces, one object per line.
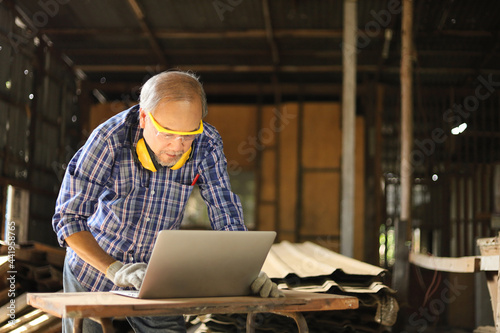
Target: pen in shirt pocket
{"x":195,"y":179}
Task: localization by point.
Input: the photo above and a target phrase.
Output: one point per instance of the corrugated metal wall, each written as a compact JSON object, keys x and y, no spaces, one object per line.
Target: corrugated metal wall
{"x":37,"y":116}
{"x":453,"y":190}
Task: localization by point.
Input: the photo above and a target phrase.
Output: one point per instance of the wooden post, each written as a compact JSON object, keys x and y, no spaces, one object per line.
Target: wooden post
{"x":348,"y":128}
{"x":377,"y":166}
{"x":400,"y":279}
{"x":406,"y":114}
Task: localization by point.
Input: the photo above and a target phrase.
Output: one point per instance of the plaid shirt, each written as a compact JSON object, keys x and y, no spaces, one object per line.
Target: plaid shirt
{"x":105,"y":191}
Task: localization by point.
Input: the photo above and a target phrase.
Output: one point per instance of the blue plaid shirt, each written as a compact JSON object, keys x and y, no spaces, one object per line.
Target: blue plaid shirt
{"x":105,"y":191}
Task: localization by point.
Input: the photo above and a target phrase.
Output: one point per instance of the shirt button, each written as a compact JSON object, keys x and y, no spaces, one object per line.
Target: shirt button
{"x":152,"y":192}
{"x":147,"y":219}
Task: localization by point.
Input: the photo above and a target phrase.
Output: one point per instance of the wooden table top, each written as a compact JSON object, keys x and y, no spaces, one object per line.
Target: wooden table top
{"x":106,"y":304}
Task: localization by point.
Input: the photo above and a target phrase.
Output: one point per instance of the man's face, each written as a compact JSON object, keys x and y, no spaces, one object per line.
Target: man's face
{"x":181,"y":116}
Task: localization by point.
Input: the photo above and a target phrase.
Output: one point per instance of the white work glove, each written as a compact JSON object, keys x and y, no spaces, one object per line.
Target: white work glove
{"x":263,"y":286}
{"x":128,"y":275}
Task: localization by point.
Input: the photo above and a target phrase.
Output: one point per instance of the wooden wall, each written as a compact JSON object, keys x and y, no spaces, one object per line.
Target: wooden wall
{"x":300,"y":175}
{"x":295,"y":152}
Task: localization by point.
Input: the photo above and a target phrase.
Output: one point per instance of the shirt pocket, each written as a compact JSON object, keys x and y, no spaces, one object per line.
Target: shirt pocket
{"x":168,"y":201}
{"x":124,"y":197}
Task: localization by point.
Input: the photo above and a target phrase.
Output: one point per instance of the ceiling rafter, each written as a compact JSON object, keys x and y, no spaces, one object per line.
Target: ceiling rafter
{"x":178,"y":34}
{"x":252,"y":33}
{"x":284,"y":69}
{"x":302,"y":40}
{"x":141,"y":17}
{"x":213,"y":52}
{"x":270,"y":34}
{"x":444,"y":17}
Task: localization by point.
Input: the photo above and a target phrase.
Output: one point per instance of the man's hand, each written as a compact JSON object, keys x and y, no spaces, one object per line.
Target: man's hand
{"x":128,"y":275}
{"x":263,"y":286}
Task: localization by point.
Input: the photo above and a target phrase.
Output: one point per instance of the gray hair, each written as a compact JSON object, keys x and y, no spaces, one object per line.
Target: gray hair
{"x":172,"y":86}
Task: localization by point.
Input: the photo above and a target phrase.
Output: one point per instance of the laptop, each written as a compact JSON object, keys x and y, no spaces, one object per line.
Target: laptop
{"x":203,"y":263}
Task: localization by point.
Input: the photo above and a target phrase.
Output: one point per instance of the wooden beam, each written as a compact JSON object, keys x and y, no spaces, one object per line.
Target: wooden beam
{"x":400,"y":277}
{"x":457,"y":265}
{"x":285,"y":69}
{"x":217,"y":68}
{"x":457,"y":33}
{"x":406,"y":77}
{"x":261,"y":52}
{"x":444,"y":17}
{"x":237,"y":88}
{"x":467,"y":264}
{"x":182,"y":52}
{"x":252,"y":33}
{"x":270,"y":33}
{"x":179,"y":34}
{"x":149,"y":33}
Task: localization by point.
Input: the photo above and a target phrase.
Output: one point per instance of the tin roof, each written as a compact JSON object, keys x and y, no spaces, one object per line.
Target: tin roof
{"x":232,"y":42}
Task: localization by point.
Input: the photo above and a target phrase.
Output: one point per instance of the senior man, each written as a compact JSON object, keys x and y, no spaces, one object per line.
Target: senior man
{"x":131,"y":179}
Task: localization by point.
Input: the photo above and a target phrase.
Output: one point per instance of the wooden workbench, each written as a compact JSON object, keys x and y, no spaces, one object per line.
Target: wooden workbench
{"x":102,"y":306}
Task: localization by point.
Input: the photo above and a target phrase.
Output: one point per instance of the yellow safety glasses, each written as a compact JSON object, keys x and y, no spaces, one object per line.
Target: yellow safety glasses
{"x":169,"y":135}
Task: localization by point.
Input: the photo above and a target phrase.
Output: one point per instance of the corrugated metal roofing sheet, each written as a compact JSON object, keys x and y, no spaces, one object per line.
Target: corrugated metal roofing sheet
{"x":311,"y":260}
{"x":313,"y":268}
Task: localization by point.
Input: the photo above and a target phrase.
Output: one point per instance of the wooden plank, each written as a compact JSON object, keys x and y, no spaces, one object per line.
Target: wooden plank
{"x":105,"y":304}
{"x":54,"y":255}
{"x":288,"y":170}
{"x":321,"y":204}
{"x":237,"y":127}
{"x":468,"y":264}
{"x":267,"y":186}
{"x":321,"y":135}
{"x":489,"y":264}
{"x":457,"y":265}
{"x":22,"y":321}
{"x":20,"y":306}
{"x":266,"y":216}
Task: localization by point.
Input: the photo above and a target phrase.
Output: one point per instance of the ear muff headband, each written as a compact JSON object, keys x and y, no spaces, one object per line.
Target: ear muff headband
{"x":144,"y":154}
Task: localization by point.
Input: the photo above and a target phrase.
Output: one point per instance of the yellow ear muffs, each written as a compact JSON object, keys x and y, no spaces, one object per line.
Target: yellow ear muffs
{"x":144,"y":153}
{"x":182,"y":160}
{"x":144,"y":156}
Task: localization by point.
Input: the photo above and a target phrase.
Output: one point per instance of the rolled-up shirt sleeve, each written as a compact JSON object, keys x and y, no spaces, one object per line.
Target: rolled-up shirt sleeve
{"x":224,"y":206}
{"x":85,"y":178}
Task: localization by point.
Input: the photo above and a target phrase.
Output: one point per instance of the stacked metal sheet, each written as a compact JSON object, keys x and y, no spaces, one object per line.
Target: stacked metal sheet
{"x":313,"y":268}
